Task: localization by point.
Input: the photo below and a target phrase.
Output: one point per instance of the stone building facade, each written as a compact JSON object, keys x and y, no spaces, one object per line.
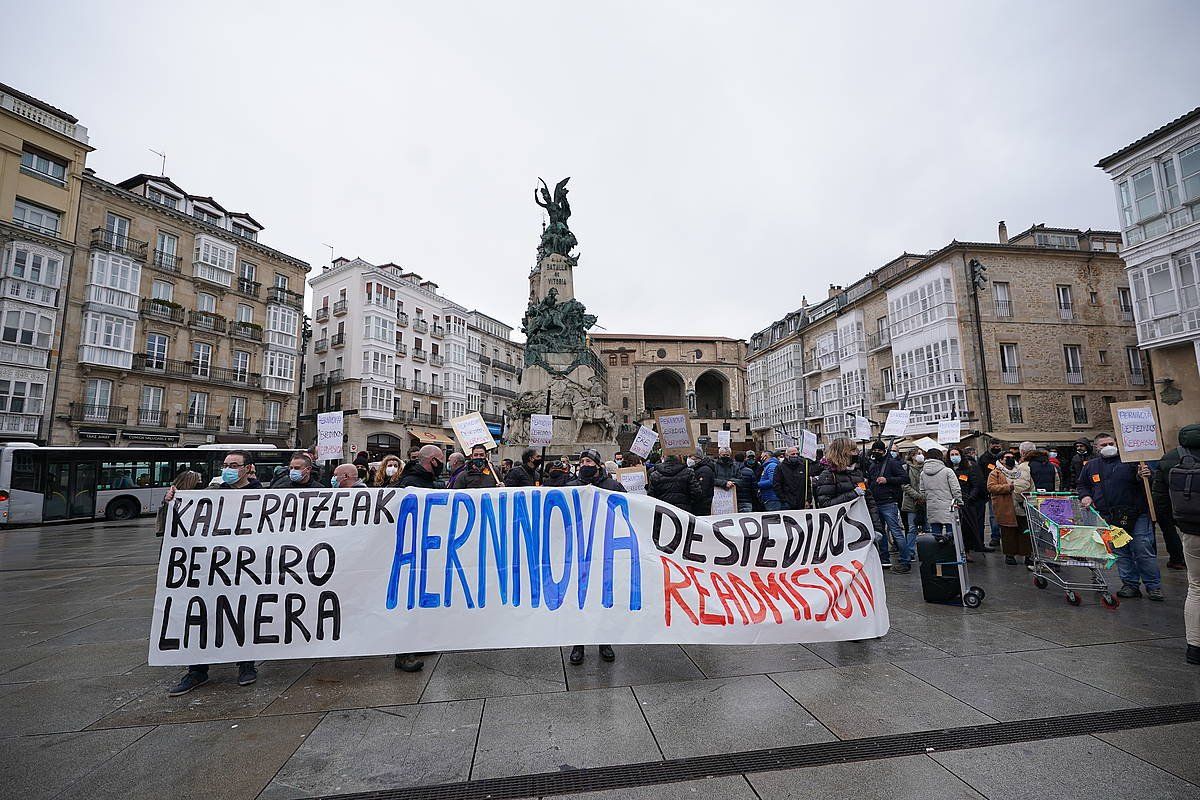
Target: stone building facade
{"x":493,"y":365}
{"x":1052,"y":344}
{"x":1156,"y":181}
{"x":180,"y":326}
{"x":42,"y":155}
{"x":704,"y":374}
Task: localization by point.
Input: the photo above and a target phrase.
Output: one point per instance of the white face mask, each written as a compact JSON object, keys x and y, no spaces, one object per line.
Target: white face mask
{"x":1108,"y":451}
{"x":390,"y":471}
{"x":919,"y":459}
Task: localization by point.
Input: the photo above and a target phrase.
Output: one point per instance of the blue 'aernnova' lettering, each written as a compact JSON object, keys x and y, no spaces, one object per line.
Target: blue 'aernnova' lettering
{"x":429,"y":542}
{"x":612,"y":543}
{"x":556,"y":590}
{"x":525,"y":528}
{"x":583,"y":551}
{"x":405,"y":555}
{"x":462,"y":500}
{"x":489,"y":531}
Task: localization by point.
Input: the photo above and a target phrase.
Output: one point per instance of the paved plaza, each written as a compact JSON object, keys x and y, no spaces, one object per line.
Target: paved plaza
{"x":82,"y":715}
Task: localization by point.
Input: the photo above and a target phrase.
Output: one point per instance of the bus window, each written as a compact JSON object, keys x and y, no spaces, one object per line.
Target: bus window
{"x":203,"y":467}
{"x":26,"y":475}
{"x":124,"y":474}
{"x":162,"y":474}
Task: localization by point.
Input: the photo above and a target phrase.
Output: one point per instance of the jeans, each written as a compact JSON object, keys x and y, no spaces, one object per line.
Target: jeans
{"x":890,"y":514}
{"x":772,"y":505}
{"x":1137,"y":562}
{"x":941,"y":529}
{"x":1191,"y":606}
{"x":203,"y":668}
{"x":995,"y":525}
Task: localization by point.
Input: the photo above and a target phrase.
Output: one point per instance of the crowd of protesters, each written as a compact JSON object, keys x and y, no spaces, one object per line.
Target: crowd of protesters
{"x":906,"y":494}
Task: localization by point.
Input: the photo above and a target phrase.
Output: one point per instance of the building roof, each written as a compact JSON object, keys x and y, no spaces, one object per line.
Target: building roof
{"x":1041,"y":227}
{"x":138,"y":180}
{"x":1170,"y":127}
{"x":663,"y":338}
{"x":33,"y":101}
{"x":202,"y":199}
{"x":244,"y":215}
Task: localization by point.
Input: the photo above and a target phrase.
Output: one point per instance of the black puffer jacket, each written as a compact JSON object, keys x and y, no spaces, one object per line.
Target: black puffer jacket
{"x":417,"y":477}
{"x":706,"y":476}
{"x":833,"y":487}
{"x":522,"y":475}
{"x":1043,"y":473}
{"x":792,"y":483}
{"x":1073,"y":467}
{"x":674,"y":483}
{"x":602,"y":480}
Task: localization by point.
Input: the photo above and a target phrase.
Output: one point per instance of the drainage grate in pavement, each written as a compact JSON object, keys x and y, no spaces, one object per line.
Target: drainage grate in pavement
{"x":808,"y":755}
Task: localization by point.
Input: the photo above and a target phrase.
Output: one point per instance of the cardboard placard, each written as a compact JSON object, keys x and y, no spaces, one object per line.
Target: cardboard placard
{"x":724,"y":501}
{"x":862,"y":428}
{"x":949,"y":432}
{"x":470,"y":430}
{"x":808,"y":444}
{"x":643,"y":443}
{"x":634,"y":479}
{"x":541,"y":429}
{"x":675,"y":429}
{"x":1136,"y":427}
{"x":723,"y":438}
{"x":897,"y":422}
{"x":330,"y":433}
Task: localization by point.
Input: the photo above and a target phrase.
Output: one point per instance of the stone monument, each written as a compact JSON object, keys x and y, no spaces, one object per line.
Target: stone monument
{"x":560,"y":369}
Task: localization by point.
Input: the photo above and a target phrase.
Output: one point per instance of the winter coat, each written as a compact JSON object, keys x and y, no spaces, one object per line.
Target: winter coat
{"x":974,"y":489}
{"x":705,"y":478}
{"x":557,"y":477}
{"x":1189,"y":439}
{"x":766,"y":480}
{"x":1115,"y":488}
{"x":896,"y":475}
{"x":939,"y":484}
{"x":792,"y":484}
{"x":416,"y":476}
{"x":470,"y":478}
{"x":1071,"y":477}
{"x":675,"y":483}
{"x":914,"y":499}
{"x":987,"y":464}
{"x":1041,"y":471}
{"x":602,"y":480}
{"x":1000,"y":488}
{"x":738,"y":474}
{"x":522,"y":475}
{"x":833,"y":486}
{"x":454,"y":476}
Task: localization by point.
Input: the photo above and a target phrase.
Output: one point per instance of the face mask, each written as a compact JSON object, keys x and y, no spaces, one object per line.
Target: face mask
{"x":1010,"y":462}
{"x":918,"y":459}
{"x":535,"y":464}
{"x":296,"y":475}
{"x":691,"y":462}
{"x":956,"y":460}
{"x":1108,"y":451}
{"x":587,"y":473}
{"x":334,"y":482}
{"x":876,"y":455}
{"x":435,"y":467}
{"x":229,"y":475}
{"x":390,"y":471}
{"x":478,"y":463}
{"x":793,"y":460}
{"x":726,"y":459}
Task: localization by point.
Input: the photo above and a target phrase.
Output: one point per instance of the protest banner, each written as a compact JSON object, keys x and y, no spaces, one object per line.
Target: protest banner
{"x":897,"y":422}
{"x":676,"y":431}
{"x":541,"y":429}
{"x":724,"y":500}
{"x":332,"y":573}
{"x":634,"y":479}
{"x":1138,"y":439}
{"x":862,"y":428}
{"x":808,"y":444}
{"x":723,"y":438}
{"x":330,"y":434}
{"x":643,"y":443}
{"x":470,"y":430}
{"x":949,"y":432}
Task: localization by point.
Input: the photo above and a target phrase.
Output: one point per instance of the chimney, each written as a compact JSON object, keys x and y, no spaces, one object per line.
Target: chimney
{"x":834,"y":290}
{"x":1003,"y":233}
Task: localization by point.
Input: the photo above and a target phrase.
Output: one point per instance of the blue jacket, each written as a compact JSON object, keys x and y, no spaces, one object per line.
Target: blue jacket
{"x":1118,"y":487}
{"x":766,"y":488}
{"x":896,"y":475}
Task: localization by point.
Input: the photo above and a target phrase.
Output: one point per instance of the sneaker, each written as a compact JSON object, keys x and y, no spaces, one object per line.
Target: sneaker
{"x":1010,"y":560}
{"x":408,"y":662}
{"x":188,"y":682}
{"x":1155,"y":594}
{"x":606,"y":653}
{"x":902,"y":568}
{"x":886,"y":564}
{"x":1193,"y":654}
{"x":576,"y":655}
{"x":1128,"y":592}
{"x":247,"y":675}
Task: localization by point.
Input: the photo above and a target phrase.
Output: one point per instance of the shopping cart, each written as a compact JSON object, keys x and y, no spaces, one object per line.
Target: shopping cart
{"x":1065,"y":533}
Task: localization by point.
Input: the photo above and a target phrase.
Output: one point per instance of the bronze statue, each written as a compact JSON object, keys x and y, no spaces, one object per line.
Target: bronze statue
{"x":557,"y":237}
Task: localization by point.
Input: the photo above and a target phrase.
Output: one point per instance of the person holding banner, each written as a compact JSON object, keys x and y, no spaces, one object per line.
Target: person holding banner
{"x":420,"y":473}
{"x":236,"y":475}
{"x":1114,"y":487}
{"x":841,"y":482}
{"x":528,"y":472}
{"x":302,"y":473}
{"x":592,"y":473}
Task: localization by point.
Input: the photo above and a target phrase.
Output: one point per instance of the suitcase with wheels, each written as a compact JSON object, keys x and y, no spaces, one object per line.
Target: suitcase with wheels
{"x":939,"y":574}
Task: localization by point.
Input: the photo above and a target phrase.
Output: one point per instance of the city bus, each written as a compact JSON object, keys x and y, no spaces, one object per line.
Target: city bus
{"x":58,"y":484}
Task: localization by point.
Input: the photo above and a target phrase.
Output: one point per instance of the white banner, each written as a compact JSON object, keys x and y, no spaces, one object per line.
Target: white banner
{"x":332,"y":573}
{"x":643,"y":443}
{"x":541,"y":429}
{"x":330,"y":434}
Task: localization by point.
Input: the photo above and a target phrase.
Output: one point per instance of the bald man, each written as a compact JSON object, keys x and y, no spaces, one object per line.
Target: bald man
{"x":345,"y":476}
{"x":422,"y":472}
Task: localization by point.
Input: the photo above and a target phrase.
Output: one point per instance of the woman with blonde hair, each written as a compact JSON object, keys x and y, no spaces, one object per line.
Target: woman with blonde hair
{"x":841,"y":480}
{"x":388,"y":472}
{"x":186,"y":480}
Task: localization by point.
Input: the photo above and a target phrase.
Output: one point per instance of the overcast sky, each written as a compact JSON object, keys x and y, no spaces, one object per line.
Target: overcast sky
{"x":725,"y":159}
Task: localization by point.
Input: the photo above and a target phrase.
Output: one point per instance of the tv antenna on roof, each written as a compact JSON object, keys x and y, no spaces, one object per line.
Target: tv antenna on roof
{"x":162,"y":172}
{"x":324,"y":244}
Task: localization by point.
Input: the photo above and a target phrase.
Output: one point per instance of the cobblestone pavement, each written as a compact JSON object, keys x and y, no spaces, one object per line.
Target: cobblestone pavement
{"x":82,"y":715}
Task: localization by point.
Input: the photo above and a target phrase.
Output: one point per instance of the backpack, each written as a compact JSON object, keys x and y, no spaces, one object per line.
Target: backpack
{"x":1183,"y":483}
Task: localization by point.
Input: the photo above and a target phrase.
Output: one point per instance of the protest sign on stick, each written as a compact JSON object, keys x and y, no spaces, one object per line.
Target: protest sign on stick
{"x":330,"y":435}
{"x":949,"y":432}
{"x":808,"y":444}
{"x":862,"y":428}
{"x":634,"y":479}
{"x":541,"y":430}
{"x":676,"y":431}
{"x":1138,"y":438}
{"x":337,"y":573}
{"x":643,"y":443}
{"x":897,"y":422}
{"x":723,"y":439}
{"x":470,"y":430}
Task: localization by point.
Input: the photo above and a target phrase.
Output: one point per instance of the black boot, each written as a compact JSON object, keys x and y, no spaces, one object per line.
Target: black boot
{"x":1193,"y":654}
{"x":606,"y":653}
{"x":576,"y":655}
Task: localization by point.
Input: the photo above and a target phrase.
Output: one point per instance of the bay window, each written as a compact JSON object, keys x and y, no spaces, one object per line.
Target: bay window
{"x":1144,"y":198}
{"x":214,"y":261}
{"x":282,"y":325}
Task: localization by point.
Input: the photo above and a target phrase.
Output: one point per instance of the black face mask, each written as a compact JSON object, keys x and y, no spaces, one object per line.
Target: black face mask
{"x":793,"y":460}
{"x":995,"y":451}
{"x":587,"y":473}
{"x":877,"y":455}
{"x":726,"y":459}
{"x":478,"y":463}
{"x":1010,"y":462}
{"x":535,"y":464}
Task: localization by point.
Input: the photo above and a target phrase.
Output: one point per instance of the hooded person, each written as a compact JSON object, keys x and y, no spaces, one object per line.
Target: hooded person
{"x":731,"y":474}
{"x":1082,"y":454}
{"x":591,"y":472}
{"x":943,"y":496}
{"x":557,"y":473}
{"x":674,"y":483}
{"x":1176,"y":489}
